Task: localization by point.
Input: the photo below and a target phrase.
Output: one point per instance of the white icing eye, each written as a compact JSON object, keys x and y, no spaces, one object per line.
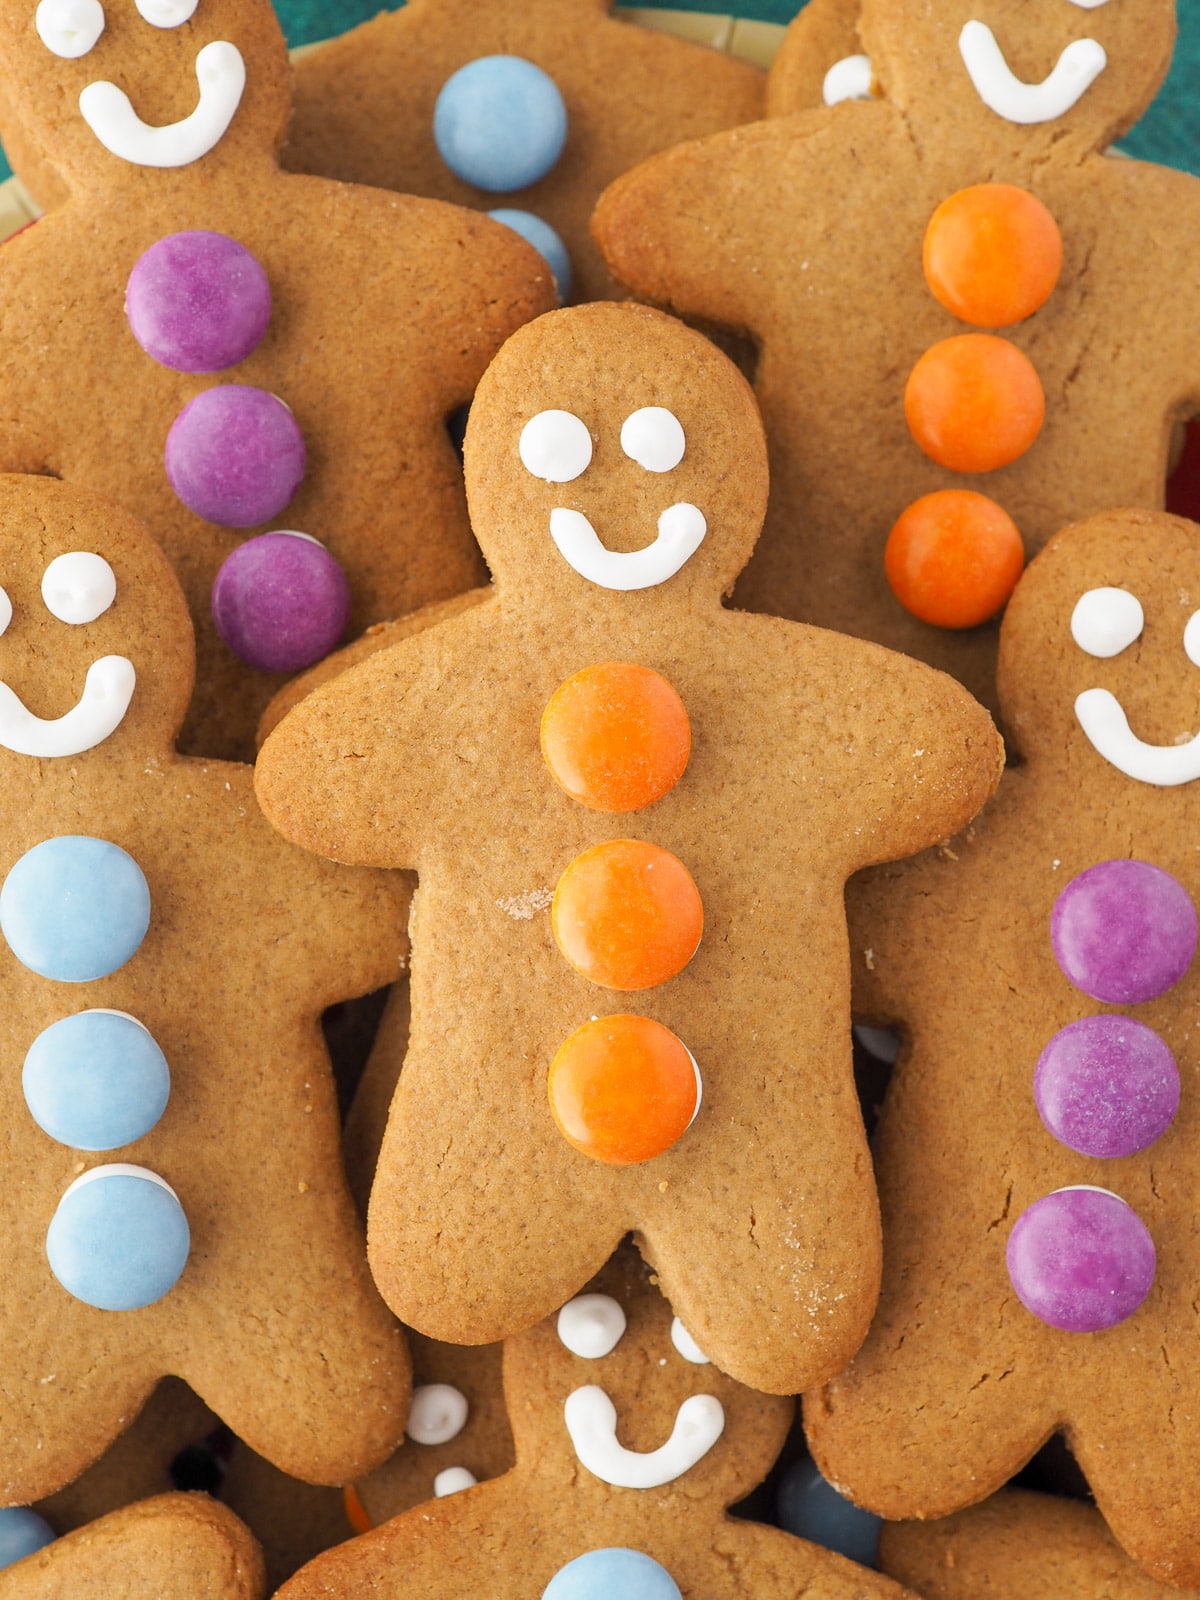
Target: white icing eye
{"x":555,"y":446}
{"x":69,"y":28}
{"x":847,"y":79}
{"x":1191,"y":638}
{"x":591,"y":1325}
{"x":78,"y":587}
{"x":1106,"y":621}
{"x":653,"y":437}
{"x":166,"y":13}
{"x":686,"y":1345}
{"x":453,"y":1480}
{"x":438,"y":1413}
{"x":5,"y":610}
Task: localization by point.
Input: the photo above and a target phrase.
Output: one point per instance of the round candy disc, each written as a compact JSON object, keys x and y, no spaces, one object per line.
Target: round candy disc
{"x":1081,"y":1259}
{"x":1106,"y":1086}
{"x":74,"y":908}
{"x":1124,"y":931}
{"x":500,"y":123}
{"x":545,"y":240}
{"x":623,"y":1089}
{"x":992,"y":254}
{"x":974,"y":403}
{"x":627,"y":915}
{"x":198,"y":301}
{"x":96,"y":1080}
{"x":281,"y":602}
{"x":812,"y":1509}
{"x":119,"y":1239}
{"x":22,"y":1532}
{"x":605,"y":1574}
{"x":235,"y":455}
{"x":616,"y":736}
{"x":953,"y":558}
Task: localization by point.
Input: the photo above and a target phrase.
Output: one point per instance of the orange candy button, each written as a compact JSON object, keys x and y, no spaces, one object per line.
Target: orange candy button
{"x":992,"y":254}
{"x":953,"y":558}
{"x":627,"y":915}
{"x":974,"y":403}
{"x":616,"y":736}
{"x":623,"y":1089}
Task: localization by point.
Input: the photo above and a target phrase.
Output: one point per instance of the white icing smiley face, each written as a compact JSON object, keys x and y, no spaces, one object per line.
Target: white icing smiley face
{"x":592,"y":1326}
{"x":77,"y":588}
{"x":1010,"y":97}
{"x":1105,"y":622}
{"x":556,"y":446}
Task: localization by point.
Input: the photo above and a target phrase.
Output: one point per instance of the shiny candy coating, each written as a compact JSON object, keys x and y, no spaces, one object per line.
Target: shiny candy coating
{"x":606,"y":1574}
{"x":545,"y":240}
{"x":811,"y":1508}
{"x":623,"y":1089}
{"x":198,"y":301}
{"x":953,"y":558}
{"x":974,"y":403}
{"x":96,"y":1080}
{"x":119,"y":1239}
{"x":74,"y":908}
{"x":1106,"y":1086}
{"x":1081,"y":1260}
{"x":1124,"y":931}
{"x":281,"y":602}
{"x":627,"y":915}
{"x":22,"y":1532}
{"x":500,"y":123}
{"x":992,"y":254}
{"x":616,"y":736}
{"x":235,"y":455}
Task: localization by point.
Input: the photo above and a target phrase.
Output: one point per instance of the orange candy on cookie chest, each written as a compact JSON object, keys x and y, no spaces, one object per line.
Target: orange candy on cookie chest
{"x":974,"y":403}
{"x":616,"y":736}
{"x":992,"y":254}
{"x":627,"y":915}
{"x":623,"y":1089}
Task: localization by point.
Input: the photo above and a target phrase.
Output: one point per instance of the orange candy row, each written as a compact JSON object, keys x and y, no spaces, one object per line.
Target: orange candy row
{"x":623,"y":1089}
{"x":616,"y":736}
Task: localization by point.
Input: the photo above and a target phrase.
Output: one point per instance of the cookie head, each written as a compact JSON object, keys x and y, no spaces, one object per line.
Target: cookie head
{"x":96,"y":644}
{"x":107,"y":88}
{"x":614,"y":1384}
{"x":1007,"y":70}
{"x":613,"y":451}
{"x":1100,"y":651}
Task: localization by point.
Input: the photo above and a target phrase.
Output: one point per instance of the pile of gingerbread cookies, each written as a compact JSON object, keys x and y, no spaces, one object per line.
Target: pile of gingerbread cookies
{"x":562,"y":600}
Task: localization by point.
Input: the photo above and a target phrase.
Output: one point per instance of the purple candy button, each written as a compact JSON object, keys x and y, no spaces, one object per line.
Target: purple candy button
{"x":1124,"y":931}
{"x":198,"y":301}
{"x":1106,"y":1086}
{"x":235,"y":455}
{"x":281,"y":602}
{"x":1081,"y":1260}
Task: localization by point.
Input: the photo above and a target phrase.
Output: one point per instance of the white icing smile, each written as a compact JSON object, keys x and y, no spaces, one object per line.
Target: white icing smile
{"x":1076,"y":69}
{"x":1103,"y":719}
{"x":109,"y":113}
{"x":107,"y":691}
{"x":592,"y":1423}
{"x":681,"y":528}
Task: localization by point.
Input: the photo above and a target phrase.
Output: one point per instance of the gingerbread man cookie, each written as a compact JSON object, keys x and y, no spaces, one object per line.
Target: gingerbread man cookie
{"x":604,"y":1070}
{"x":630,"y":1445}
{"x":222,"y":347}
{"x":528,"y":106}
{"x":1037,"y":1150}
{"x":175,"y":1200}
{"x":960,"y":349}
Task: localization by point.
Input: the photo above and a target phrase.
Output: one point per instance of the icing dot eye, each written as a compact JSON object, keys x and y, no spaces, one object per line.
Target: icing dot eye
{"x":235,"y":455}
{"x":992,"y":254}
{"x":623,"y":1089}
{"x":5,"y":610}
{"x":500,"y":123}
{"x":1124,"y":931}
{"x":686,"y":1345}
{"x":198,"y":301}
{"x":281,"y":601}
{"x":627,"y":915}
{"x":1191,"y":638}
{"x":1107,"y":621}
{"x":119,"y":1239}
{"x":453,"y":1480}
{"x":847,"y":79}
{"x":78,"y":587}
{"x":616,"y":736}
{"x":591,"y":1325}
{"x":438,"y":1413}
{"x":953,"y":558}
{"x":96,"y":1081}
{"x":74,"y":908}
{"x":555,"y":446}
{"x":653,"y":437}
{"x":974,"y":403}
{"x":166,"y":13}
{"x":1081,"y":1259}
{"x":69,"y":28}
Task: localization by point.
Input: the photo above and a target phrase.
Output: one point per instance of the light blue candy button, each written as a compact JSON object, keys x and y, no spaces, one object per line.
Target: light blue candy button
{"x":96,"y":1080}
{"x":119,"y":1239}
{"x":811,"y":1508}
{"x":544,"y":239}
{"x":500,"y":123}
{"x":607,"y":1574}
{"x":74,"y":908}
{"x":21,"y":1533}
